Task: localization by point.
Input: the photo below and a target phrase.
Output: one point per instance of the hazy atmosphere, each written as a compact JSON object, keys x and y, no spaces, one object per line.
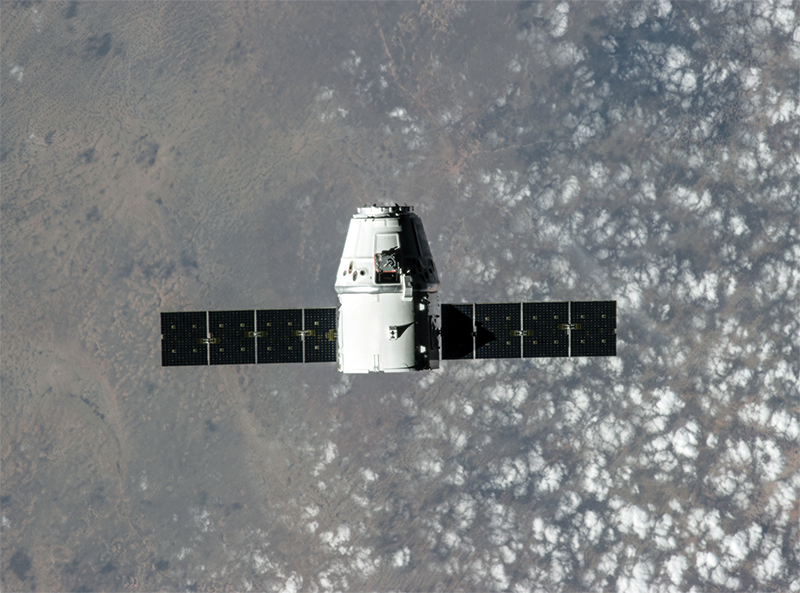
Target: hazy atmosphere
{"x":208,"y":156}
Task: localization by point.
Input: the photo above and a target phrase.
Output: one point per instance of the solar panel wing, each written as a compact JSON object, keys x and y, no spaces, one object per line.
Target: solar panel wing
{"x":497,"y":329}
{"x":279,"y":338}
{"x":541,"y":335}
{"x":594,"y":330}
{"x":182,"y":339}
{"x":320,"y":327}
{"x":232,"y":339}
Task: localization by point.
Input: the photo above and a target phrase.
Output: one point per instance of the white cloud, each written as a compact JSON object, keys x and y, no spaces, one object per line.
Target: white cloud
{"x":690,"y":199}
{"x":633,"y":519}
{"x":668,"y":403}
{"x":551,"y":478}
{"x":737,"y":225}
{"x":567,"y":505}
{"x":701,"y":521}
{"x":785,"y":425}
{"x":17,"y":72}
{"x":559,"y":20}
{"x":508,"y":556}
{"x":546,"y":536}
{"x":570,"y":189}
{"x":336,"y":541}
{"x":464,"y":512}
{"x":293,"y":584}
{"x":675,"y":568}
{"x":592,"y":527}
{"x":351,"y":63}
{"x":567,"y":54}
{"x":609,"y":561}
{"x":768,"y":459}
{"x":504,"y":393}
{"x":769,"y":568}
{"x":401,"y":557}
{"x":505,"y":188}
{"x":597,"y":481}
{"x":735,"y":549}
{"x":498,"y":573}
{"x":684,"y":440}
{"x":330,"y":452}
{"x":400,"y":113}
{"x":706,"y":562}
{"x":636,"y":579}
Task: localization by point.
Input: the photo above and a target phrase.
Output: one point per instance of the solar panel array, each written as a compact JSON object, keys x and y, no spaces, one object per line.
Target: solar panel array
{"x":529,"y":330}
{"x":481,"y":330}
{"x":247,"y":337}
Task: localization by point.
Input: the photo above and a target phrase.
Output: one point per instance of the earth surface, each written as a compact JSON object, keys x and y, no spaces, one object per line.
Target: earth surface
{"x":208,"y":156}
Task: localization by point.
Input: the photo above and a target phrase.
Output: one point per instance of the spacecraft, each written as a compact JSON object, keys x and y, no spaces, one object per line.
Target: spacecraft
{"x":389,"y":318}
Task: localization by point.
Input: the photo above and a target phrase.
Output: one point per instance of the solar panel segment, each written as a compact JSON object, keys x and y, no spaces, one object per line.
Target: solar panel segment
{"x":541,"y":334}
{"x":456,"y":334}
{"x":231,"y":334}
{"x":497,"y":328}
{"x":279,"y":335}
{"x":320,"y":327}
{"x":182,"y":339}
{"x":595,"y":332}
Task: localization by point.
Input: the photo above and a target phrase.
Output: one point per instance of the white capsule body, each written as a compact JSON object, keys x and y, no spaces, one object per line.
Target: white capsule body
{"x":385,"y":283}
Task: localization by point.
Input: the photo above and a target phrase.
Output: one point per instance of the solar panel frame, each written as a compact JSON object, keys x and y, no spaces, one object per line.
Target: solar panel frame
{"x":279,"y":338}
{"x":502,"y":322}
{"x":232,"y":339}
{"x":320,"y":337}
{"x":541,"y":335}
{"x":457,"y":326}
{"x":182,"y":334}
{"x":596,"y":331}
